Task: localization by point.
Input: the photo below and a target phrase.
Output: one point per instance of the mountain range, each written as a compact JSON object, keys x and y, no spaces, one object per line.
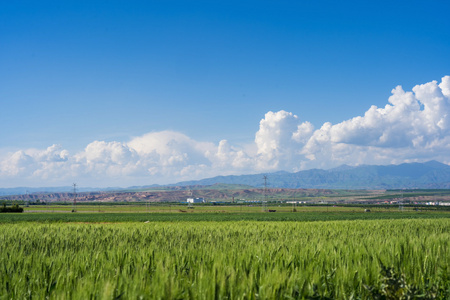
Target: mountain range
{"x":428,"y":175}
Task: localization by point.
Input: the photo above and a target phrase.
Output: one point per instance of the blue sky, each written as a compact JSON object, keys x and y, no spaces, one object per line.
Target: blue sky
{"x":197,"y":73}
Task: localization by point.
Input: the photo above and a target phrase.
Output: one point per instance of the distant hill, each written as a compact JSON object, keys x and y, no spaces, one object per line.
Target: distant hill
{"x":429,"y":175}
{"x":45,"y":190}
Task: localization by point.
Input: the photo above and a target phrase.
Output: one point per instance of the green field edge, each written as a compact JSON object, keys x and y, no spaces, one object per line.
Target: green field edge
{"x":218,"y":217}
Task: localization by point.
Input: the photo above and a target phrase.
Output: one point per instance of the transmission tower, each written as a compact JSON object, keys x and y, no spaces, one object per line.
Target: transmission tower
{"x":74,"y":207}
{"x":264,"y":203}
{"x":191,"y":196}
{"x":400,"y":204}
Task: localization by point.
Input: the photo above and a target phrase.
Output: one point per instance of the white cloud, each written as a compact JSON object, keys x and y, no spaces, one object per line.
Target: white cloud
{"x":445,"y":86}
{"x":112,"y":159}
{"x":170,"y":148}
{"x":30,"y":164}
{"x":16,"y":164}
{"x":280,"y":135}
{"x":413,"y":126}
{"x":225,"y":156}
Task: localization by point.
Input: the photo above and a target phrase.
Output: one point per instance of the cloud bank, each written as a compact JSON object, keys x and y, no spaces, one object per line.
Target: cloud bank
{"x":413,"y":126}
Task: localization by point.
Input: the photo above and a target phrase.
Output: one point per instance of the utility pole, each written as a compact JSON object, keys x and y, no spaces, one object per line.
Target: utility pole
{"x":74,"y":207}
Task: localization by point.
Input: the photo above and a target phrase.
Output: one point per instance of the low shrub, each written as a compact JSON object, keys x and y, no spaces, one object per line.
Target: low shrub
{"x":13,"y":209}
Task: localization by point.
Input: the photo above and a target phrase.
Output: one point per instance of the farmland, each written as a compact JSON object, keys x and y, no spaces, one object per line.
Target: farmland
{"x":224,"y":252}
{"x":180,"y":212}
{"x":239,"y":193}
{"x":234,"y":260}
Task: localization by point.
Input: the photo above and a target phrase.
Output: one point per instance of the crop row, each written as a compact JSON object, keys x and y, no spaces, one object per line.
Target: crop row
{"x":224,"y":260}
{"x":218,"y":216}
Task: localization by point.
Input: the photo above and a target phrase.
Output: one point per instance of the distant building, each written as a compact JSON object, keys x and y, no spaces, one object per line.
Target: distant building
{"x":438,"y":203}
{"x":195,"y":200}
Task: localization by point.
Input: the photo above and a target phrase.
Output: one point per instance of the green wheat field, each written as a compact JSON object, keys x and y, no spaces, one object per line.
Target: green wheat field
{"x":206,"y":256}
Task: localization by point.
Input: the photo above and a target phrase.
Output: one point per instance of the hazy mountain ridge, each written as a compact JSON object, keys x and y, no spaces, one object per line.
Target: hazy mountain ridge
{"x":432,"y":174}
{"x":60,"y":189}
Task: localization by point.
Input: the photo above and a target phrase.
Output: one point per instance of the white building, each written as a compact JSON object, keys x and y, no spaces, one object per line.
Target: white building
{"x":195,"y":200}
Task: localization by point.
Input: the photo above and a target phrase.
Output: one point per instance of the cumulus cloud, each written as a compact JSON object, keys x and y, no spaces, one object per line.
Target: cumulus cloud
{"x":279,"y":137}
{"x":32,"y":163}
{"x":16,"y":164}
{"x":412,"y":126}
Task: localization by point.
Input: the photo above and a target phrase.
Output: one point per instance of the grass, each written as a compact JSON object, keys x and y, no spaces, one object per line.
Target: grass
{"x":221,"y":216}
{"x":220,"y":208}
{"x":224,"y":252}
{"x":225,"y":260}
